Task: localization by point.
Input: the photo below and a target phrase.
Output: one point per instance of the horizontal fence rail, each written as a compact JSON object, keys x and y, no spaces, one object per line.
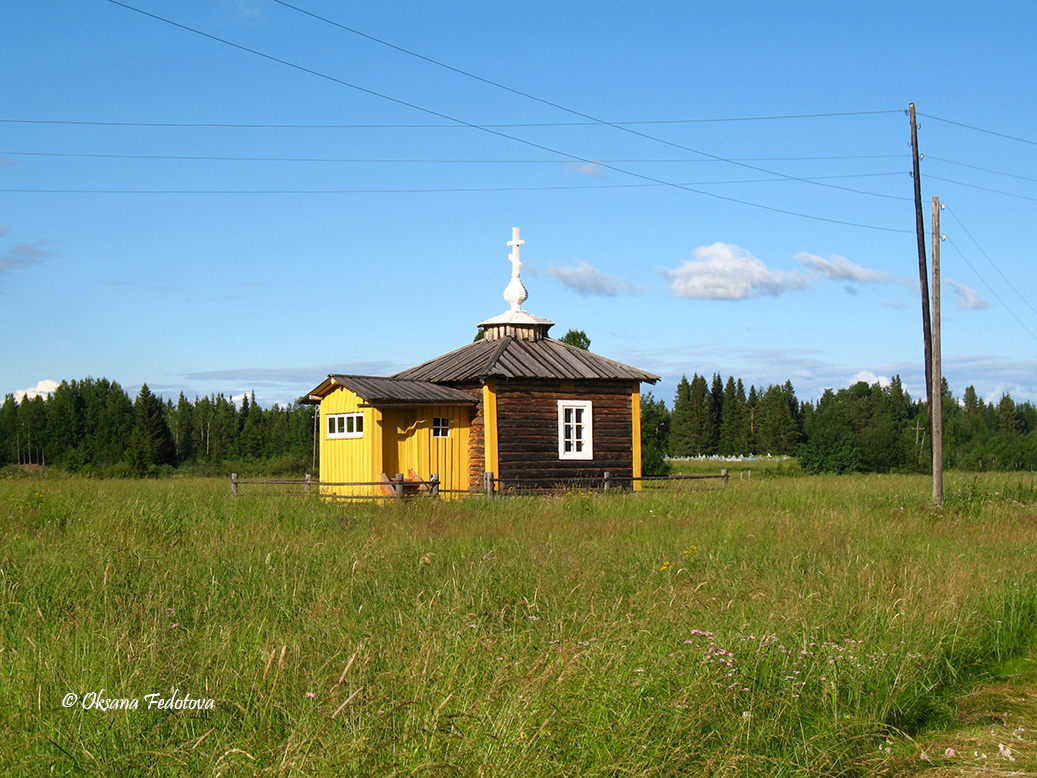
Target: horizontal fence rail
{"x":493,"y":486}
{"x":400,"y":488}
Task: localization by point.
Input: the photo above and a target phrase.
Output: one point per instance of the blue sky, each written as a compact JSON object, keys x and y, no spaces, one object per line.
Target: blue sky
{"x":330,"y":187}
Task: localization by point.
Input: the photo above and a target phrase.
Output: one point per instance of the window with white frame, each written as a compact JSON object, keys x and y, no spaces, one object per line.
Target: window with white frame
{"x":345,"y":425}
{"x":575,"y":430}
{"x":440,"y":427}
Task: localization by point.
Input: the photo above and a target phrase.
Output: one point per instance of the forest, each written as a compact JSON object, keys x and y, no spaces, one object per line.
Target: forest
{"x":92,"y":426}
{"x":862,"y":428}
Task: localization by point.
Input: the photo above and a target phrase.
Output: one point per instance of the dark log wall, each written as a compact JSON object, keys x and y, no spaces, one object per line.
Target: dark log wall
{"x":527,"y":425}
{"x":476,"y":437}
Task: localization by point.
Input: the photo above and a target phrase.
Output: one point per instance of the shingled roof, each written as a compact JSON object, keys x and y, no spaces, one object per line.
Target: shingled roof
{"x":511,"y":357}
{"x":380,"y":391}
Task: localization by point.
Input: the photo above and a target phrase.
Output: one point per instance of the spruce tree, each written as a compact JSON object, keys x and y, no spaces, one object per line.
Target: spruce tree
{"x":716,"y":410}
{"x":680,"y":442}
{"x":182,"y":427}
{"x":8,"y":430}
{"x":732,"y":422}
{"x":151,"y":443}
{"x":252,"y":430}
{"x":703,"y":430}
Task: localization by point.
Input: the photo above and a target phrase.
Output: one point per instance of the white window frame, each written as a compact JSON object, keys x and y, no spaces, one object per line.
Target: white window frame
{"x":582,"y":433}
{"x":441,"y":426}
{"x":342,"y":425}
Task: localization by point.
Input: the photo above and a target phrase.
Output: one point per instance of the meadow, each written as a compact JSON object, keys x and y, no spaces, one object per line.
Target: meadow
{"x":781,"y":626}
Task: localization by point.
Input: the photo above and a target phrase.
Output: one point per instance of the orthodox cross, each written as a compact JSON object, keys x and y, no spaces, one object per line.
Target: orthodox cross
{"x":515,"y":293}
{"x":516,"y":265}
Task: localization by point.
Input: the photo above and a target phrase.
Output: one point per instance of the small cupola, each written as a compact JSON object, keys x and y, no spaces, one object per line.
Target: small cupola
{"x":516,"y":322}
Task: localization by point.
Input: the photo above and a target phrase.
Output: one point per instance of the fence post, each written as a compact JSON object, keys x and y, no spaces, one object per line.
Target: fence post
{"x":608,"y":480}
{"x":487,"y":481}
{"x":234,"y":483}
{"x":397,"y":483}
{"x":308,"y":481}
{"x":724,"y":476}
{"x":433,"y":486}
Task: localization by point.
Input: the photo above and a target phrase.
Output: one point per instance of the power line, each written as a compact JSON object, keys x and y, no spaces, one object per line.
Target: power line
{"x":429,"y":190}
{"x":988,"y":286}
{"x":982,"y":188}
{"x":581,"y":114}
{"x":506,"y":136}
{"x":479,"y":161}
{"x":980,"y":129}
{"x":990,"y":261}
{"x":195,"y":158}
{"x":455,"y":126}
{"x":977,"y":167}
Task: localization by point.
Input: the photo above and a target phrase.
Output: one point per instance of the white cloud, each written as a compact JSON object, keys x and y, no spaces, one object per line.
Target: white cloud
{"x":965,"y":297}
{"x":724,"y":271}
{"x":43,"y":388}
{"x":841,"y":269}
{"x":870,"y":378}
{"x":586,"y":279}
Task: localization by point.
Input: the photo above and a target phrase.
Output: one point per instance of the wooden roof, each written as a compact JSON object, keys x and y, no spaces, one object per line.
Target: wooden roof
{"x":380,"y":391}
{"x":511,"y":357}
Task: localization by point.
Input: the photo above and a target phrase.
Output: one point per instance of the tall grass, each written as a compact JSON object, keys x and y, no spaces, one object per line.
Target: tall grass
{"x":776,"y":627}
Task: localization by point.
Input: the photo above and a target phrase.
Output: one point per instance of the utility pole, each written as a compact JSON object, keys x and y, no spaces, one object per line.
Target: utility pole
{"x":923,"y":270}
{"x":936,"y":399}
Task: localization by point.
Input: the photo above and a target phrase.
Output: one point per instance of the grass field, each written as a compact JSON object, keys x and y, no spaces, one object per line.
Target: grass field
{"x":782,"y":626}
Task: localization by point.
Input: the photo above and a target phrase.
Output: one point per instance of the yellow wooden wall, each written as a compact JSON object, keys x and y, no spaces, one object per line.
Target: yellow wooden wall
{"x":416,"y":449}
{"x":350,"y":459}
{"x":394,"y":441}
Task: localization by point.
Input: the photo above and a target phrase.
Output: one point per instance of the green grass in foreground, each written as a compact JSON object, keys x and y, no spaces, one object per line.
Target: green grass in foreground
{"x":805,"y":626}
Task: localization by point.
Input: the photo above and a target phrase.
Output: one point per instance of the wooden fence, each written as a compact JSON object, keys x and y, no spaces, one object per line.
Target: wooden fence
{"x":400,"y":488}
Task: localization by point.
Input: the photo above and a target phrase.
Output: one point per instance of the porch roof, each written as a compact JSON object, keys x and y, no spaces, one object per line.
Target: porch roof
{"x":380,"y":391}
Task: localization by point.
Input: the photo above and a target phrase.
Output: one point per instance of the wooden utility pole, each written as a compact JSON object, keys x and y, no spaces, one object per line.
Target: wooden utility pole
{"x":923,"y":270}
{"x":936,"y":398}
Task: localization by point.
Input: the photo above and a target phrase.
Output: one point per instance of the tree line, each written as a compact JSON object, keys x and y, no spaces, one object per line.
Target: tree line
{"x":93,"y":426}
{"x":862,"y":428}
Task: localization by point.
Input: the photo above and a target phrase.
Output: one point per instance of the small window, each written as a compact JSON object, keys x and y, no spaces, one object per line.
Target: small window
{"x":575,"y":429}
{"x":345,"y":425}
{"x":440,"y":427}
